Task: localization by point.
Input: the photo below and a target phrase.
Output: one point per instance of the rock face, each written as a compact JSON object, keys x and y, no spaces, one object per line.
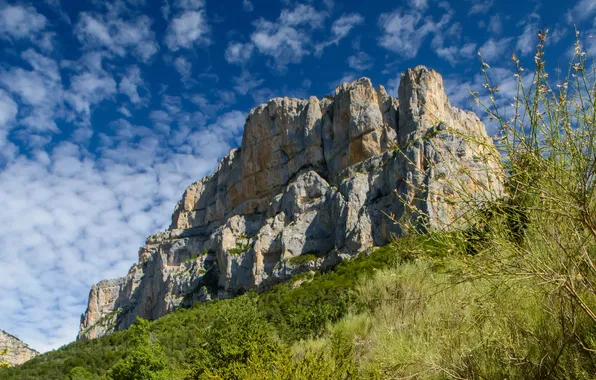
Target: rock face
{"x":327,"y":177}
{"x":18,"y":352}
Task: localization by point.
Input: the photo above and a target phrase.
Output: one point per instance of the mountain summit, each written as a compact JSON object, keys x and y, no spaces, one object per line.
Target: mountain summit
{"x":314,"y":182}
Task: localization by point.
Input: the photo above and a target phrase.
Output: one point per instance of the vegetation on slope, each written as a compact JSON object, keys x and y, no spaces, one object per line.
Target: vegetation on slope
{"x":511,"y":295}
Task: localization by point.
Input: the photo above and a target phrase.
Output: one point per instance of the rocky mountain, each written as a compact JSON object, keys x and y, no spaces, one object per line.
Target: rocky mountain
{"x":17,"y":351}
{"x":315,"y":181}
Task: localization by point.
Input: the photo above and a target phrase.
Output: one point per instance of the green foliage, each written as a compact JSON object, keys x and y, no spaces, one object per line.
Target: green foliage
{"x":510,"y":294}
{"x":79,"y":373}
{"x":242,"y":245}
{"x":224,"y":337}
{"x":3,"y":363}
{"x":302,"y":259}
{"x":145,"y":361}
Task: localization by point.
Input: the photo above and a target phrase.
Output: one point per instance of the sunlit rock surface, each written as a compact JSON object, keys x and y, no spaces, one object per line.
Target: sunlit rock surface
{"x":327,"y":177}
{"x":17,"y":351}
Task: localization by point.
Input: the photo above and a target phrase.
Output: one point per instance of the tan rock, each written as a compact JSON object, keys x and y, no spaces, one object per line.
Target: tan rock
{"x":17,"y":352}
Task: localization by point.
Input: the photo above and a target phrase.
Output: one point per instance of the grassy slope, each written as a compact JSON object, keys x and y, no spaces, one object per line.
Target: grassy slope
{"x":405,"y":311}
{"x":291,"y":312}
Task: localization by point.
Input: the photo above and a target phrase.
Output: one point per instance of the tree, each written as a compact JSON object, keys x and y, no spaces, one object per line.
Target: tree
{"x":146,"y":360}
{"x":3,"y":362}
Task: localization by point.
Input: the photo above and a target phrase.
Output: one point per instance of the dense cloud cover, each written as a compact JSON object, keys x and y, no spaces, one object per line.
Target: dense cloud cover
{"x":109,"y":110}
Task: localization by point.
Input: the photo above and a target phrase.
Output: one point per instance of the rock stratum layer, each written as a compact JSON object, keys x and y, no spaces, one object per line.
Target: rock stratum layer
{"x":17,"y":351}
{"x":327,"y":178}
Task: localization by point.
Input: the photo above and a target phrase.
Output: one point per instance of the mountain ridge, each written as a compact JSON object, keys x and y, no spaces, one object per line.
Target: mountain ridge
{"x":18,"y":351}
{"x":319,"y":177}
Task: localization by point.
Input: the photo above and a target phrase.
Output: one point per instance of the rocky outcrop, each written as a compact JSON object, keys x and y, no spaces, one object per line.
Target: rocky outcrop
{"x":326,"y":177}
{"x":17,"y":352}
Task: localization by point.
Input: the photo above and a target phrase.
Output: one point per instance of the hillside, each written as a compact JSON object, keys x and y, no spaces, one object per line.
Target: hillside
{"x":16,"y":352}
{"x":476,"y":281}
{"x":321,"y":179}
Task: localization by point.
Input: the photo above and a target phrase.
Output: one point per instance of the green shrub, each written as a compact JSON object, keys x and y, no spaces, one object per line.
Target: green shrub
{"x":302,"y":259}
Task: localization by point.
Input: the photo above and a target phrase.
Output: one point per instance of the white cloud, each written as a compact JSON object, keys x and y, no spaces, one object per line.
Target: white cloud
{"x":526,"y":43}
{"x":494,"y":25}
{"x":340,"y":29}
{"x":39,"y":91}
{"x":246,"y":82}
{"x":184,"y":67}
{"x":117,"y":35}
{"x":288,"y":39}
{"x":8,"y":110}
{"x":302,"y":15}
{"x":189,"y":4}
{"x":583,"y":10}
{"x":360,"y":61}
{"x":420,"y":5}
{"x":454,"y":54}
{"x":17,"y":21}
{"x":238,"y":52}
{"x":347,"y":77}
{"x":60,"y":209}
{"x":393,"y":85}
{"x":247,"y":6}
{"x":188,"y":30}
{"x":495,"y":49}
{"x":130,"y":83}
{"x":480,"y":7}
{"x":88,"y":89}
{"x":403,"y":32}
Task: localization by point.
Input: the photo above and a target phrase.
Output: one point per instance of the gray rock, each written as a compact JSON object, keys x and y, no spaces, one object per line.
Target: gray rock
{"x":327,"y":177}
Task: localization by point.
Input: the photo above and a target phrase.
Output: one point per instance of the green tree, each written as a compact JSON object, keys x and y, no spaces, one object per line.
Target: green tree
{"x":145,"y":361}
{"x":3,"y":362}
{"x":79,"y":373}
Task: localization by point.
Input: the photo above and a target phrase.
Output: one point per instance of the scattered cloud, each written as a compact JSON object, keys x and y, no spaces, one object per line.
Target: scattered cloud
{"x":420,"y":5}
{"x":404,"y":31}
{"x":495,"y":49}
{"x":347,"y":77}
{"x":583,"y":10}
{"x":287,"y":39}
{"x":88,"y":89}
{"x":184,"y":67}
{"x":481,"y":7}
{"x":454,"y":54}
{"x":117,"y":35}
{"x":247,"y":6}
{"x":360,"y":61}
{"x":494,"y":25}
{"x":238,"y":52}
{"x":18,"y":21}
{"x":8,"y":111}
{"x":340,"y":29}
{"x":189,"y":4}
{"x":188,"y":30}
{"x":246,"y":82}
{"x":526,"y":42}
{"x":130,"y":83}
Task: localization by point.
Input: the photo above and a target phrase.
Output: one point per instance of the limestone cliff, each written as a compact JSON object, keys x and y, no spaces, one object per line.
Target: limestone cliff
{"x":17,"y":351}
{"x":326,"y":177}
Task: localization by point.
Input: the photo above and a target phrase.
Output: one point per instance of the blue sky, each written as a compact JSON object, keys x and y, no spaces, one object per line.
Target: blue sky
{"x":108,"y":111}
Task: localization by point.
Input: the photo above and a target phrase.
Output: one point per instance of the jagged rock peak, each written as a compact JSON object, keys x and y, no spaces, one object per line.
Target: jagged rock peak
{"x":316,"y":176}
{"x":17,"y":351}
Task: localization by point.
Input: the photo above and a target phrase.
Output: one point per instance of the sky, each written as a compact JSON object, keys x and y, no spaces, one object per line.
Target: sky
{"x":108,"y":110}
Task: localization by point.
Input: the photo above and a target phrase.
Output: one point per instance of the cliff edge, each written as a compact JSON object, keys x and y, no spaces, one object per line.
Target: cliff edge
{"x":17,"y":352}
{"x":323,"y":179}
